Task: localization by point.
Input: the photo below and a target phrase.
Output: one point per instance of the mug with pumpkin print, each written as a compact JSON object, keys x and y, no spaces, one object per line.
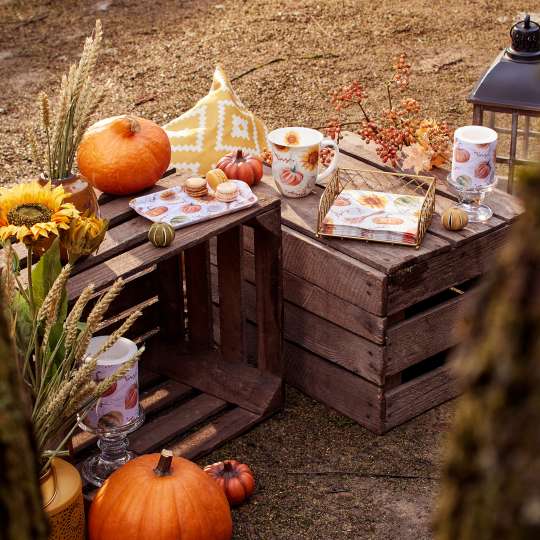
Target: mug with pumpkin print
{"x":295,"y":159}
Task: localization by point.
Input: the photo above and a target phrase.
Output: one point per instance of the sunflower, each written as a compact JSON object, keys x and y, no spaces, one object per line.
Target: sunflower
{"x":292,"y":138}
{"x":310,"y":159}
{"x":31,"y":212}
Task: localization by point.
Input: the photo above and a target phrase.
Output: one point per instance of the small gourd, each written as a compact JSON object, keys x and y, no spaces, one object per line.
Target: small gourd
{"x":161,"y":234}
{"x":454,"y":219}
{"x":215,"y":177}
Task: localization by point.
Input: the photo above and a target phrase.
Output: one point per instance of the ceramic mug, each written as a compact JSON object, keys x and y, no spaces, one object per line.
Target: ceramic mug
{"x":295,"y":159}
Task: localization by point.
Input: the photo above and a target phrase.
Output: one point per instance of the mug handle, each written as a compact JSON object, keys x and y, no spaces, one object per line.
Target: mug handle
{"x":333,"y":165}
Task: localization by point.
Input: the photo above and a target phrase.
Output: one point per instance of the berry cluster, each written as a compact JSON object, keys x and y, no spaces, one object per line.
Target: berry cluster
{"x":326,"y":155}
{"x":343,"y":98}
{"x":396,"y":126}
{"x":266,"y":156}
{"x":402,"y":72}
{"x":333,"y":129}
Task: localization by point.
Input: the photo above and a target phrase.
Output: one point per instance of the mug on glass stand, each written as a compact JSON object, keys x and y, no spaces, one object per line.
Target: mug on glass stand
{"x":295,"y":159}
{"x":473,"y":170}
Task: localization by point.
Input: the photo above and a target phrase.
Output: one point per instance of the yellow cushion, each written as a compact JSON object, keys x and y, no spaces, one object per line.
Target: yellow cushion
{"x":218,"y":124}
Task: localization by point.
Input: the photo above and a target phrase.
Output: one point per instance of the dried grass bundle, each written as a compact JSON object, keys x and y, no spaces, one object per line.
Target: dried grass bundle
{"x":54,"y":142}
{"x":56,"y":372}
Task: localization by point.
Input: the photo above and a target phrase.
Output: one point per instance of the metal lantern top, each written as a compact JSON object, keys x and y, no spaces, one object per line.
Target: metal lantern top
{"x":513,"y":80}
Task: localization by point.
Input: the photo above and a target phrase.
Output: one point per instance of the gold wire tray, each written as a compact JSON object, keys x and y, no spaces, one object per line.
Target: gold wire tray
{"x":388,"y":182}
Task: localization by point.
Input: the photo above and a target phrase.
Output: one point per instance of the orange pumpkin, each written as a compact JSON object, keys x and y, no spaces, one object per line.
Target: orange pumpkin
{"x":124,"y":154}
{"x":292,"y":177}
{"x":157,"y":497}
{"x":236,"y":479}
{"x":461,"y":155}
{"x":191,"y":208}
{"x":240,"y":166}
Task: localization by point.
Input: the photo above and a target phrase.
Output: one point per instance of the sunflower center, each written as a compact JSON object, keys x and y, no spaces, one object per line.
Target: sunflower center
{"x":29,"y":214}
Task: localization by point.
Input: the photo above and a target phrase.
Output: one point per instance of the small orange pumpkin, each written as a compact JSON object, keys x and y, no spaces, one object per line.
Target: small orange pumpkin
{"x":240,"y":166}
{"x":483,"y":170}
{"x":191,"y":208}
{"x":157,"y":497}
{"x":235,"y":478}
{"x":124,"y":154}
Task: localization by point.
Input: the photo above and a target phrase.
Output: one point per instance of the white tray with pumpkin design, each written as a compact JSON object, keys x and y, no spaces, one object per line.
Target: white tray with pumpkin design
{"x":176,"y":207}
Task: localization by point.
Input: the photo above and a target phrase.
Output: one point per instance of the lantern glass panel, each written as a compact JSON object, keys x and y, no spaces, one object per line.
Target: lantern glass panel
{"x":525,"y":132}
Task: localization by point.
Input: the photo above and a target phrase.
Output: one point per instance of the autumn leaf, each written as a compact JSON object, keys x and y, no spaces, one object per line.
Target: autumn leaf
{"x":417,"y":157}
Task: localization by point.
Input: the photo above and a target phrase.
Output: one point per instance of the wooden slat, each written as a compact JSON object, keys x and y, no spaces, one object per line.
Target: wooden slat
{"x":419,"y":395}
{"x":154,"y":434}
{"x":146,"y":255}
{"x":236,"y":383}
{"x":334,"y":272}
{"x":328,"y":340}
{"x":426,"y":278}
{"x":335,"y":386}
{"x":316,"y":300}
{"x":269,"y":294}
{"x":199,"y":300}
{"x":227,"y":426}
{"x":230,"y":251}
{"x":170,"y":285}
{"x":425,"y":334}
{"x":505,"y":206}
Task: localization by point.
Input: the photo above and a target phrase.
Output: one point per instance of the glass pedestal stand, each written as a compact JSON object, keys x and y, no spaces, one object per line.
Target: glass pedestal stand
{"x":472,"y":201}
{"x":113,"y":444}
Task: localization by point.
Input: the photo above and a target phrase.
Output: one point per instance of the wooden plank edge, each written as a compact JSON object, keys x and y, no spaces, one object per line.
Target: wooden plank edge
{"x":419,"y":395}
{"x":225,"y":427}
{"x":162,"y":429}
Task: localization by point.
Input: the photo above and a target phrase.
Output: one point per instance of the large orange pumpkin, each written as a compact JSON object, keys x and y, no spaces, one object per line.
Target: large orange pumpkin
{"x":157,"y":497}
{"x":124,"y":154}
{"x":240,"y":166}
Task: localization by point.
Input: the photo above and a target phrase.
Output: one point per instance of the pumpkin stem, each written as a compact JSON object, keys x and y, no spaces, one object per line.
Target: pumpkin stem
{"x":134,"y":125}
{"x":163,"y":468}
{"x":239,"y":154}
{"x":227,"y":466}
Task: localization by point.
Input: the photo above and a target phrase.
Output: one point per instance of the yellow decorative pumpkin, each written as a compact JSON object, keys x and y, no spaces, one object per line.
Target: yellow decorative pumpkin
{"x":161,"y":234}
{"x":215,"y":177}
{"x":454,"y":219}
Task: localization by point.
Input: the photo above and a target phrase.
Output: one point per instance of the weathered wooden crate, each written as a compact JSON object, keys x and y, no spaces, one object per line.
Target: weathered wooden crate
{"x":196,"y":394}
{"x":367,"y":326}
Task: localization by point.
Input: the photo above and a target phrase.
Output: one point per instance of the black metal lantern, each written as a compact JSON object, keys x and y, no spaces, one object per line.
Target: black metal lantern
{"x":509,"y":92}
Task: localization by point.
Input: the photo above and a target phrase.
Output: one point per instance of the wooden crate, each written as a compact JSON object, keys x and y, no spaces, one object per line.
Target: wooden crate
{"x":367,"y":325}
{"x":196,"y":395}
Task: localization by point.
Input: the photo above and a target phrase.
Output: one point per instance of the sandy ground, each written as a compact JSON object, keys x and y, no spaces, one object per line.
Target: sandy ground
{"x":320,"y":476}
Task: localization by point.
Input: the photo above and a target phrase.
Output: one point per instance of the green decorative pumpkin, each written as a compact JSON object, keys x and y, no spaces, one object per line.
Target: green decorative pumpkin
{"x":161,"y":234}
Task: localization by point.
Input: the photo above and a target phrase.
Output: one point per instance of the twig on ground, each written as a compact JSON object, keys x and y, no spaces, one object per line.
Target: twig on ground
{"x":144,"y":99}
{"x":276,"y":60}
{"x":364,"y":475}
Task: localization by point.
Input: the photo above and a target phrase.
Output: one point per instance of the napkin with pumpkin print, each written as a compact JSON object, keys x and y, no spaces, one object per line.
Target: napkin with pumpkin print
{"x":374,"y":215}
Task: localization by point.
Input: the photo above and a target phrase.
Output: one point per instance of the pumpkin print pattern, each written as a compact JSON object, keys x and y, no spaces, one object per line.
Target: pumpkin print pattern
{"x":291,"y":177}
{"x":483,"y":170}
{"x":157,"y":211}
{"x":175,"y":207}
{"x":461,"y":155}
{"x":132,"y":397}
{"x":373,"y":201}
{"x":342,"y":201}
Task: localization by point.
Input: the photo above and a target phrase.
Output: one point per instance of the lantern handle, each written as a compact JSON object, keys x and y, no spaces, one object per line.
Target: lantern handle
{"x":526,"y":24}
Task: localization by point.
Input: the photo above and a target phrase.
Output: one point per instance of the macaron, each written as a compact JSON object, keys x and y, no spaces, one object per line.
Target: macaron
{"x":215,"y":177}
{"x":196,"y":187}
{"x":227,"y":192}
